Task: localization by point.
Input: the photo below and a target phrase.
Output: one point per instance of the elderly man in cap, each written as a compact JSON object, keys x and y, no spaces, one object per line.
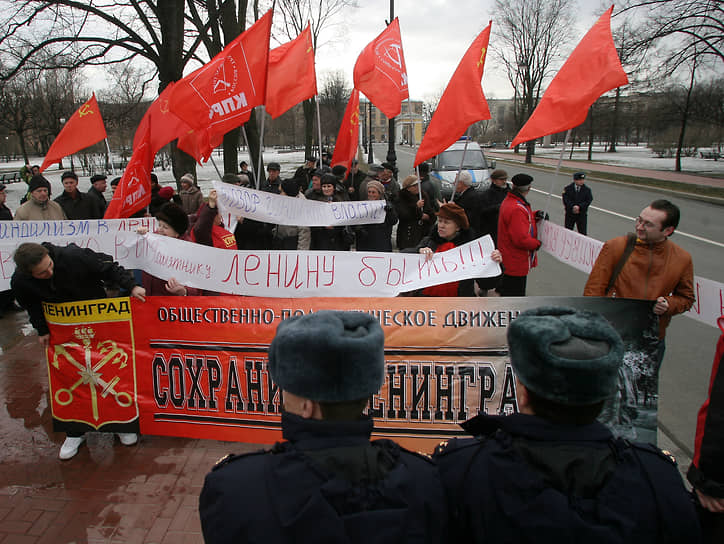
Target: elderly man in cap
{"x":577,"y":197}
{"x":517,"y":237}
{"x":552,"y":473}
{"x":39,"y":207}
{"x":388,"y":181}
{"x":75,"y":204}
{"x":327,"y":481}
{"x":273,"y":181}
{"x":98,"y":187}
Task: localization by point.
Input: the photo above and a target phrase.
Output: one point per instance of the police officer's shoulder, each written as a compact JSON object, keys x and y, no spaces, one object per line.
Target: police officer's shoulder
{"x":454,"y":445}
{"x":231,"y":458}
{"x":649,"y":450}
{"x":396,"y":450}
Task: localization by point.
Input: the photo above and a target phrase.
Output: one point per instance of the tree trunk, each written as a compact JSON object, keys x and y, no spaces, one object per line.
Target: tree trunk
{"x":684,"y":119}
{"x":252,"y":133}
{"x":309,"y":111}
{"x":614,"y":122}
{"x":529,"y":151}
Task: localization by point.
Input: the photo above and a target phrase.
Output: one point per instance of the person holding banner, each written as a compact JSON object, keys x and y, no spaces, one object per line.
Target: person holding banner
{"x":517,"y":237}
{"x":49,"y":273}
{"x":376,"y":236}
{"x":415,"y":213}
{"x":327,"y":480}
{"x":551,"y":472}
{"x":290,"y":237}
{"x":647,"y":266}
{"x":453,"y":229}
{"x":330,"y":238}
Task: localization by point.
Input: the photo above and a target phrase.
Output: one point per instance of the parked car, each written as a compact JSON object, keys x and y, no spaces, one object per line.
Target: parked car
{"x":458,"y":156}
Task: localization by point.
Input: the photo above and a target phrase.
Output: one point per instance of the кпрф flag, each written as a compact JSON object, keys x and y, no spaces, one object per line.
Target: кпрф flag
{"x":220,"y":95}
{"x":83,"y":129}
{"x":163,"y":124}
{"x":462,"y":104}
{"x":592,"y":69}
{"x":291,"y":69}
{"x":380,"y":72}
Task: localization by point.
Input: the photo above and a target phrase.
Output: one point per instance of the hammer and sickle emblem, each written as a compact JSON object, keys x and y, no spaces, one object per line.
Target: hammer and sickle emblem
{"x":482,"y":56}
{"x":85,"y":109}
{"x":163,"y":106}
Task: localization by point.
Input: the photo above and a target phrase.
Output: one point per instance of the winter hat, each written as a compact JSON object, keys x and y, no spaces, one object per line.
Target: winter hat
{"x":566,"y":356}
{"x":377,"y":185}
{"x":339,"y":170}
{"x":166,"y":192}
{"x":499,"y":174}
{"x":329,"y":179}
{"x":188,"y":178}
{"x":329,"y":356}
{"x":290,"y":187}
{"x":455,"y":213}
{"x":69,"y":174}
{"x":273,"y":166}
{"x":36,"y":182}
{"x":175,"y":217}
{"x":97,"y":177}
{"x":579,"y":175}
{"x":410,"y":181}
{"x":521,"y":180}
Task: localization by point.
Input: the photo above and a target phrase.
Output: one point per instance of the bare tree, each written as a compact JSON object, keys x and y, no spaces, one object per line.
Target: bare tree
{"x":15,"y":115}
{"x":533,"y":34}
{"x":333,"y":99}
{"x":698,"y":23}
{"x":294,"y":15}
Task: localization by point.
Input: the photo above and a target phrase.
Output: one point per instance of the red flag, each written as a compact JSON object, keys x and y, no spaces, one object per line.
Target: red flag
{"x":592,"y":69}
{"x":345,"y":148}
{"x":199,"y":144}
{"x":164,"y":125}
{"x":462,"y":104}
{"x":134,"y":189}
{"x":220,"y":95}
{"x":291,"y":71}
{"x":380,"y":71}
{"x":83,"y":129}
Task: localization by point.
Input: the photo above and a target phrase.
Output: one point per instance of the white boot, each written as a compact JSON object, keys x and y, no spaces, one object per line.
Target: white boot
{"x":128,"y":439}
{"x":70,"y":447}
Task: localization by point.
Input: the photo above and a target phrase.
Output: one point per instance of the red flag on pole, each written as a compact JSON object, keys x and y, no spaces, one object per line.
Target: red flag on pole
{"x":199,"y":144}
{"x":82,"y":130}
{"x":345,"y":148}
{"x":380,"y":72}
{"x":134,"y":190}
{"x":462,"y":104}
{"x":592,"y":69}
{"x":220,"y":95}
{"x":291,"y":69}
{"x":164,"y":125}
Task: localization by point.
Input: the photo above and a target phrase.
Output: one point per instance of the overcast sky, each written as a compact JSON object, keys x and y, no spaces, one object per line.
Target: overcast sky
{"x":435,"y":35}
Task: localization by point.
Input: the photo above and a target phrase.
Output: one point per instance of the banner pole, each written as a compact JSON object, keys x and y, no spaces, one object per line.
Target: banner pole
{"x":110,"y":157}
{"x":558,"y":170}
{"x":248,"y":151}
{"x":319,"y":128}
{"x":261,"y":145}
{"x":221,"y":178}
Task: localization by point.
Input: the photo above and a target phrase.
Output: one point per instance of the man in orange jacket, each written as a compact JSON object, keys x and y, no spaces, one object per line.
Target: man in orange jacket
{"x":656,"y":269}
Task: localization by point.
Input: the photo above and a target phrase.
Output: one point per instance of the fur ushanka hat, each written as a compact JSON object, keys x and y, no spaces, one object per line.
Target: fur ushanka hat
{"x":329,"y":356}
{"x":566,"y":356}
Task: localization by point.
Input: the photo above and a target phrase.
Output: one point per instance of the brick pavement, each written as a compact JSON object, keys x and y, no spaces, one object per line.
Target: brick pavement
{"x":108,"y":493}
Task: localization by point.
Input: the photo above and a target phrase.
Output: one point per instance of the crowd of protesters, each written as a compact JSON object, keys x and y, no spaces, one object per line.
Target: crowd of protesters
{"x":428,"y":225}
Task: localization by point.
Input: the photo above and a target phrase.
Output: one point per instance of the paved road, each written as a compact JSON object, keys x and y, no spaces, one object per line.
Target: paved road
{"x":690,"y":344}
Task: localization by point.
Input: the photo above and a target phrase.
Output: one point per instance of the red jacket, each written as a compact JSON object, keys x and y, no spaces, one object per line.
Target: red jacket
{"x":517,"y":235}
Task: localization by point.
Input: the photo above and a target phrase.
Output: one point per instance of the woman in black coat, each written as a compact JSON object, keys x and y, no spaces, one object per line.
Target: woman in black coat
{"x":377,"y":236}
{"x":416,"y":214}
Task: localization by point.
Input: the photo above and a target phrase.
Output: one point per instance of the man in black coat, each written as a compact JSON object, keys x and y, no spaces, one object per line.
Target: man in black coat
{"x":492,"y":198}
{"x":552,"y":473}
{"x":327,"y":482}
{"x":49,"y":273}
{"x":98,"y":187}
{"x":577,"y":197}
{"x":470,"y":200}
{"x":75,"y":204}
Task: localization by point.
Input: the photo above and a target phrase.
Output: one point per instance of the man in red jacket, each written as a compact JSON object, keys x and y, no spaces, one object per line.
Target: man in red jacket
{"x":517,"y":237}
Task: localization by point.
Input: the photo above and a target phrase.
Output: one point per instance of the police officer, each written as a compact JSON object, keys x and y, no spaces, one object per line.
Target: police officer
{"x":552,"y":473}
{"x":327,"y":482}
{"x":577,"y":197}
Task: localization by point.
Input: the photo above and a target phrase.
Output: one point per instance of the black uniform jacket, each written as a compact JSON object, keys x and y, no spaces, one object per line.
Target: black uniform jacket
{"x":524,"y":479}
{"x":328,"y":483}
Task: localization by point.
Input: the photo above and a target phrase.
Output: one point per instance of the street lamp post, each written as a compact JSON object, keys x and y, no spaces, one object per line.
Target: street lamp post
{"x":391,"y":155}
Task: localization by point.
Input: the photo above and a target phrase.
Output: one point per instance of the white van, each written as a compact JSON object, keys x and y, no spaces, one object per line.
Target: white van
{"x":445,"y":166}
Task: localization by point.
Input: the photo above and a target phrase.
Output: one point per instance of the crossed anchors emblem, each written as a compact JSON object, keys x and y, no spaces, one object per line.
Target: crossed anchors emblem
{"x":90,"y":374}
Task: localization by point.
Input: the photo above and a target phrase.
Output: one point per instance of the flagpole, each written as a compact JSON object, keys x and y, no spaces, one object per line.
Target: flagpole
{"x":558,"y":169}
{"x":462,"y":161}
{"x":216,"y":167}
{"x":319,"y":128}
{"x":248,"y":150}
{"x":110,"y":157}
{"x":412,"y":144}
{"x":261,"y":144}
